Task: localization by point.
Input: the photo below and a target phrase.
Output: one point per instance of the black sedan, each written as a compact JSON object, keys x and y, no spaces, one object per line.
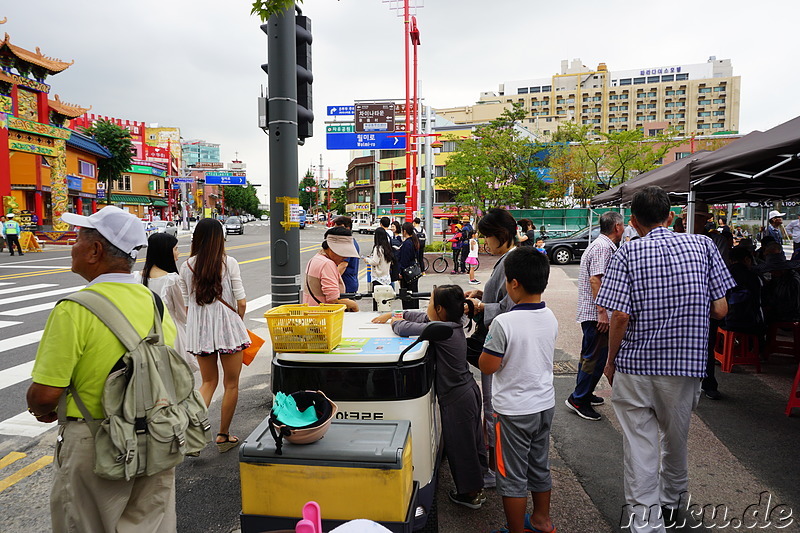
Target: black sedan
{"x":234,"y":225}
{"x":567,"y":249}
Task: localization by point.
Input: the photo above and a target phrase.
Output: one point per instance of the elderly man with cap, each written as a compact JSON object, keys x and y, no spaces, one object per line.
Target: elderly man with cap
{"x":11,"y":230}
{"x":78,"y":350}
{"x":324,"y":283}
{"x":773,"y":228}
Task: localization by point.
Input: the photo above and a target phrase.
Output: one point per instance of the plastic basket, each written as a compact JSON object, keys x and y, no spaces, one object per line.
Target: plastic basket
{"x":305,"y":328}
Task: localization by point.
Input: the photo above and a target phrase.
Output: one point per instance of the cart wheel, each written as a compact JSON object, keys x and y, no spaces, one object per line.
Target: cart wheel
{"x":425,"y":264}
{"x":440,"y":264}
{"x":432,"y":524}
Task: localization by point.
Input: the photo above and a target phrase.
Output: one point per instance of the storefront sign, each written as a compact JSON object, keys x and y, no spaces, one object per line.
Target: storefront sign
{"x":142,"y":169}
{"x":74,"y":182}
{"x":358,"y":208}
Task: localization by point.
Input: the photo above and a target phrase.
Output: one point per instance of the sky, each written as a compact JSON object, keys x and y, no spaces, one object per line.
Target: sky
{"x":196,"y":64}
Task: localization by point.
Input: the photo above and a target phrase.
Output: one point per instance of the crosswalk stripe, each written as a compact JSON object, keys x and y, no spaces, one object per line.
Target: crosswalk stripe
{"x":6,"y":282}
{"x":37,"y":266}
{"x":15,"y":374}
{"x":258,"y":303}
{"x":10,"y":458}
{"x":21,"y":288}
{"x":25,"y":471}
{"x":15,"y":299}
{"x":21,"y":340}
{"x":6,"y":323}
{"x":28,"y":310}
{"x":23,"y":425}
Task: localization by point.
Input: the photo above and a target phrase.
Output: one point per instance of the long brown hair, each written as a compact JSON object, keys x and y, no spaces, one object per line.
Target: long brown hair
{"x":208,"y":250}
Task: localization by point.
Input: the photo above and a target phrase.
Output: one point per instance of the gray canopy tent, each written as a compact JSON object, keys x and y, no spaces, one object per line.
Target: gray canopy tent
{"x":760,"y":166}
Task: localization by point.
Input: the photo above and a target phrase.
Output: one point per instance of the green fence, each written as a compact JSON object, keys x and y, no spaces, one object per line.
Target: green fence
{"x":564,"y":221}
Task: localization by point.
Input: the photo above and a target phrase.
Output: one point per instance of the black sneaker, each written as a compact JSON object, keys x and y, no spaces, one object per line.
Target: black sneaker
{"x":584,"y":411}
{"x":712,"y":394}
{"x":464,"y":499}
{"x":597,"y":400}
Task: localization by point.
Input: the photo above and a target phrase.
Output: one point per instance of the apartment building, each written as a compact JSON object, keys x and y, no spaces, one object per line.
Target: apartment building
{"x":694,"y":99}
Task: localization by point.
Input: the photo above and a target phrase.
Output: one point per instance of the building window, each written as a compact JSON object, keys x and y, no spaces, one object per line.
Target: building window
{"x":719,"y":89}
{"x":703,"y":126}
{"x":535,"y":89}
{"x":681,"y":155}
{"x":449,"y":146}
{"x":86,"y":168}
{"x":547,"y":88}
{"x":671,"y":77}
{"x":681,"y":77}
{"x":704,"y":90}
{"x":625,"y":81}
{"x":653,"y":79}
{"x":718,"y":113}
{"x":719,"y":124}
{"x":123,"y":184}
{"x":704,"y":114}
{"x":522,"y":90}
{"x":704,"y":102}
{"x":718,"y":100}
{"x":638,"y":81}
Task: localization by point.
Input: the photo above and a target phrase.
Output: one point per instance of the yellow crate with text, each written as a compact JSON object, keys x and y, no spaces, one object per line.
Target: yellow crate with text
{"x":305,"y":328}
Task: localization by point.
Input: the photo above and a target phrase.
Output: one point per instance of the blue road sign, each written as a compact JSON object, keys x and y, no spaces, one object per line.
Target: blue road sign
{"x":182,"y":180}
{"x":365,"y":141}
{"x":341,"y":110}
{"x":222,"y":179}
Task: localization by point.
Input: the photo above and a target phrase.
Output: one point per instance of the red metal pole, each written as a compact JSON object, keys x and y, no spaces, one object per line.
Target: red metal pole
{"x":414,"y":35}
{"x":409,"y":182}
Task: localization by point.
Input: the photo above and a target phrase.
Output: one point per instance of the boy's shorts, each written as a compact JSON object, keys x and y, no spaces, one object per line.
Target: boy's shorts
{"x":522,"y":448}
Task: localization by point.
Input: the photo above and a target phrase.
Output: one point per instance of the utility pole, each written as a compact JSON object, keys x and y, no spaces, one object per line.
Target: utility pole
{"x":282,"y":124}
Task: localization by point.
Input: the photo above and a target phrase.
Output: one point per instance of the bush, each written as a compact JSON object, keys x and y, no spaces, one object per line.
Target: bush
{"x":437,"y":246}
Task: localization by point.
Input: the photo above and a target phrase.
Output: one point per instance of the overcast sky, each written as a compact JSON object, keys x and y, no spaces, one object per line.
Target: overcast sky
{"x":196,"y":64}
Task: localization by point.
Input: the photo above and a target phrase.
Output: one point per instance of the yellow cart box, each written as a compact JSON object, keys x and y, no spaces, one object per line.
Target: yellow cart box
{"x":359,"y":469}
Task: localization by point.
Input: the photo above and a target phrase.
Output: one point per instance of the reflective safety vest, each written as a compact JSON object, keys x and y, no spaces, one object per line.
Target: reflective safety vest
{"x":11,"y":227}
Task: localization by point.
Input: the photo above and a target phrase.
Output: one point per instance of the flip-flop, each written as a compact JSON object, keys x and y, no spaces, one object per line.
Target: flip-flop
{"x":230,"y":442}
{"x":528,"y":527}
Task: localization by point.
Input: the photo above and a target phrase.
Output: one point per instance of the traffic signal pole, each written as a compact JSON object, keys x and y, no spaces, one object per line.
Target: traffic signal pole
{"x":282,"y":121}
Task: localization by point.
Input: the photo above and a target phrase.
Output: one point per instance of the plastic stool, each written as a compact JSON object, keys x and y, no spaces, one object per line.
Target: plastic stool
{"x":775,"y":346}
{"x":734,"y":348}
{"x":794,"y":395}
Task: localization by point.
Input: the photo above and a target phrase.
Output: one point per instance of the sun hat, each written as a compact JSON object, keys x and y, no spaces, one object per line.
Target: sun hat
{"x":120,"y":228}
{"x":773,"y":214}
{"x":342,"y":245}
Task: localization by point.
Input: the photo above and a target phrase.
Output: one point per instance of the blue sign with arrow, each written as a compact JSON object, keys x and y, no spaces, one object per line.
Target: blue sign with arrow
{"x":223,"y":179}
{"x":365,"y":141}
{"x":334,"y":110}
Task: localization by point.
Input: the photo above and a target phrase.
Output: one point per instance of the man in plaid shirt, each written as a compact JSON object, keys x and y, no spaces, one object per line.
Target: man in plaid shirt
{"x":594,"y":320}
{"x":662,"y":289}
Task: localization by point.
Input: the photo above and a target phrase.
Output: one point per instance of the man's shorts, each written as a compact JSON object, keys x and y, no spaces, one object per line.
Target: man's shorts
{"x":522,"y":449}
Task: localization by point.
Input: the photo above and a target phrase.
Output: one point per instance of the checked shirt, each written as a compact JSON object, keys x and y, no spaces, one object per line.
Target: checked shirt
{"x":593,"y":263}
{"x":666,"y":282}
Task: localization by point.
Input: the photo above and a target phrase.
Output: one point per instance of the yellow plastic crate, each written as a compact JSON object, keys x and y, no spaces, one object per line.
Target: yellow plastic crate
{"x":305,"y":328}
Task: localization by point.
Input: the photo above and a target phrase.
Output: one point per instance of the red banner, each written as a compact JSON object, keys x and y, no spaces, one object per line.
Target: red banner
{"x":156,"y":154}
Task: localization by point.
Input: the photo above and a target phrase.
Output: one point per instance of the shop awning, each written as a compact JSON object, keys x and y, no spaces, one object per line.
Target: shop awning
{"x":130,"y":199}
{"x":160,"y":203}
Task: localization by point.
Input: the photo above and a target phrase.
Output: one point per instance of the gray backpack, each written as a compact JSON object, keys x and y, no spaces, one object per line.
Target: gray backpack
{"x":153,"y":414}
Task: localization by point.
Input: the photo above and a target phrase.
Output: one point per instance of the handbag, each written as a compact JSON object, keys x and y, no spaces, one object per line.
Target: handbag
{"x":412,"y":272}
{"x":249,"y":353}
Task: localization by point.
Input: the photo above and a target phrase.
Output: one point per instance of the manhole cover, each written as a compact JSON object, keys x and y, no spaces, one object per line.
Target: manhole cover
{"x":564,"y":367}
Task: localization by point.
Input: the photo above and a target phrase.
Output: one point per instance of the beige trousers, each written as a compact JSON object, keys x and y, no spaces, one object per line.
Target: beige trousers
{"x":654,"y":413}
{"x":81,"y":501}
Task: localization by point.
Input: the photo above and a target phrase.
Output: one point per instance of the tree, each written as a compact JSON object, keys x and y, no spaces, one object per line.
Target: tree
{"x":339,"y":199}
{"x":570,"y":176}
{"x":116,"y":140}
{"x":266,"y":8}
{"x":241,"y":199}
{"x":496,"y":167}
{"x":307,"y":198}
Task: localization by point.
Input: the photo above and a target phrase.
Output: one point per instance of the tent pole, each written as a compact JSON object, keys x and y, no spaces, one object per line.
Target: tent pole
{"x":690,"y":209}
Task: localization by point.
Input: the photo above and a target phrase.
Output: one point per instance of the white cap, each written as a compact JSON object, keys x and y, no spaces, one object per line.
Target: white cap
{"x":10,"y":215}
{"x":119,"y":227}
{"x":773,"y":214}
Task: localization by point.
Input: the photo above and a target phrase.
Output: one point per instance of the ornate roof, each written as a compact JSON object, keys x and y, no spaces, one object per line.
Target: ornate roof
{"x":52,"y":65}
{"x":68,"y":110}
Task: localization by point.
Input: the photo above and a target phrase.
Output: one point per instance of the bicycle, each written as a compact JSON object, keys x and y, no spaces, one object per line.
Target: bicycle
{"x":441,"y":264}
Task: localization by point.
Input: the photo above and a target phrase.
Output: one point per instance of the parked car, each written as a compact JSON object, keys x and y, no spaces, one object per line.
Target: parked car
{"x":264,"y":217}
{"x":163,"y":226}
{"x":149,"y":228}
{"x":302,"y":218}
{"x":234,"y":225}
{"x":568,"y":249}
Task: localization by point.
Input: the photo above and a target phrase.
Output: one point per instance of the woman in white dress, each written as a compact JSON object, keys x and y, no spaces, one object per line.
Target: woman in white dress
{"x":160,"y":275}
{"x":211,"y":284}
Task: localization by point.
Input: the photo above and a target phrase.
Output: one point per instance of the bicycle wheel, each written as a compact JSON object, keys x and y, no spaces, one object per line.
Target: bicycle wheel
{"x":477,"y":264}
{"x":440,"y":264}
{"x":485,"y":249}
{"x":425,"y":264}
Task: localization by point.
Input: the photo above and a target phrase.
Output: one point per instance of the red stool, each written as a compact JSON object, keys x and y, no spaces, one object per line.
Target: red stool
{"x":794,"y":395}
{"x":789,"y":347}
{"x":734,"y":348}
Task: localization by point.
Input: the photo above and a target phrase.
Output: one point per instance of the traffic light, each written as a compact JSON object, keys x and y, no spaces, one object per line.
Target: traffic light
{"x":305,"y":112}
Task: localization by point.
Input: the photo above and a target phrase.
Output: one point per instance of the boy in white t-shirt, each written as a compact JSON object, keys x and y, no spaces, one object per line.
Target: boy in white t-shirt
{"x":518,"y":352}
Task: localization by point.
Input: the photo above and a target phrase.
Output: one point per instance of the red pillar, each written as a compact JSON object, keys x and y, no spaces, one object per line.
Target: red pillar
{"x":79,"y":205}
{"x":94,"y":205}
{"x":43,"y":108}
{"x":38,"y":205}
{"x":5,"y":163}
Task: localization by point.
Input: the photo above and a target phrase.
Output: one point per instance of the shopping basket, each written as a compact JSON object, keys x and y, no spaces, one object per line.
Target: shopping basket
{"x":305,"y":328}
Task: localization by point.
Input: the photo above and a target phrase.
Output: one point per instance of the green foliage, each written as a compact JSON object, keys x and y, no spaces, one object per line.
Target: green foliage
{"x":307,"y":199}
{"x":339,"y":199}
{"x":266,"y":8}
{"x":240,"y":199}
{"x":116,"y":140}
{"x":437,"y":246}
{"x":496,"y":166}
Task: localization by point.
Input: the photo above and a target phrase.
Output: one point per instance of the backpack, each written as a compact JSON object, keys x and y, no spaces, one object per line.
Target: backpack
{"x":153,"y":414}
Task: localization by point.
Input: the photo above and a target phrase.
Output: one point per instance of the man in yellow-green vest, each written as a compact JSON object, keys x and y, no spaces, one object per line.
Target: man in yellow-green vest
{"x":11,"y":231}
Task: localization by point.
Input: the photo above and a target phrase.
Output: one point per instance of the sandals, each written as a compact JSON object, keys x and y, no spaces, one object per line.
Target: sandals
{"x":230,"y":442}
